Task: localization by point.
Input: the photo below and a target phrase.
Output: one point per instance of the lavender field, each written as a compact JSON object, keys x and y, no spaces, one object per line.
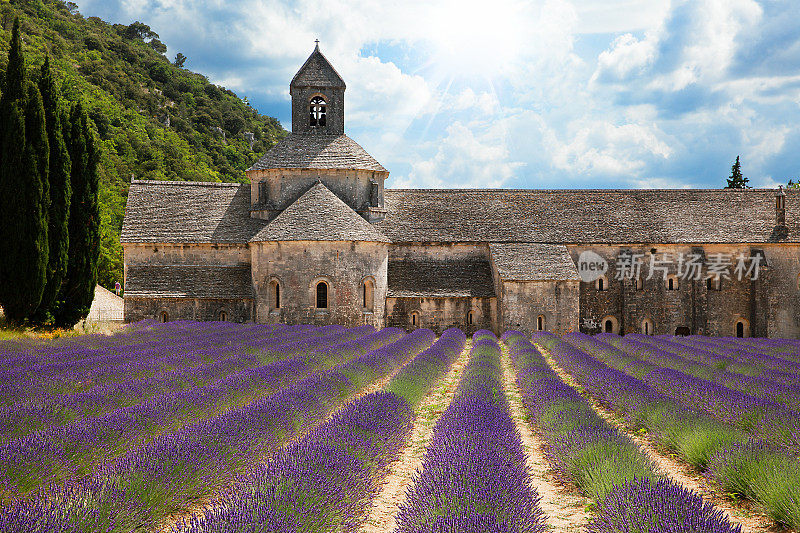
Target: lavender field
{"x":220,"y":427}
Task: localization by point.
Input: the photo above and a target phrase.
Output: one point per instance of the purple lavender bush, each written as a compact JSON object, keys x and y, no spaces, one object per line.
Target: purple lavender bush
{"x":766,"y":472}
{"x":75,"y":450}
{"x":581,"y":447}
{"x":763,"y":473}
{"x":660,"y":506}
{"x":176,"y":470}
{"x":327,"y":480}
{"x":474,"y":473}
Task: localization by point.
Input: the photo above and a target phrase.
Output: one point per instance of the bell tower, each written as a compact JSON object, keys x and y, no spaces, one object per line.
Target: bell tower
{"x":317,"y":92}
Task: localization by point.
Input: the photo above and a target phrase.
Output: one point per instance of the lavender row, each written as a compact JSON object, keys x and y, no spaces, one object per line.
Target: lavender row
{"x":19,"y":385}
{"x":196,"y":369}
{"x":59,"y":354}
{"x":740,"y":355}
{"x":677,"y":357}
{"x":327,"y":480}
{"x":699,"y":439}
{"x":74,"y":450}
{"x":175,"y":471}
{"x":26,"y":417}
{"x":758,"y":416}
{"x":583,"y":449}
{"x":780,"y":354}
{"x":475,"y":469}
{"x":742,"y":360}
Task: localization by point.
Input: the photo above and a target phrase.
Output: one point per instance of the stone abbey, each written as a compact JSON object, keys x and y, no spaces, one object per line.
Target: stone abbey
{"x":315,"y":238}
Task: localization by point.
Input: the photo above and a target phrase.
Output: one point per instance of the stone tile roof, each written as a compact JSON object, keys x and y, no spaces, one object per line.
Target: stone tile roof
{"x":188,"y":212}
{"x":317,"y":151}
{"x":189,"y":281}
{"x":317,"y":71}
{"x":439,"y":278}
{"x":533,"y":262}
{"x":319,"y":215}
{"x":201,"y":212}
{"x":588,"y":216}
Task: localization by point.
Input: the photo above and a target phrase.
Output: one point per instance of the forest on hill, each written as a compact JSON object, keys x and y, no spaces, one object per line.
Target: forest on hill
{"x":155,"y":119}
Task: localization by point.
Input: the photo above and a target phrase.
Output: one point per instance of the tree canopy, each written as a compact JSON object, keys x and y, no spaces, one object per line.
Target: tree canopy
{"x":736,"y":180}
{"x":153,"y":119}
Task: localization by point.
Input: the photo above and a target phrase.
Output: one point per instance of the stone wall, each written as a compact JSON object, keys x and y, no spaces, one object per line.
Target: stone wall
{"x":522,"y":303}
{"x":781,"y":290}
{"x":194,"y":255}
{"x":186,"y":254}
{"x":283,"y":186}
{"x":187,"y":309}
{"x":768,"y":306}
{"x":334,"y":113}
{"x":299,"y":266}
{"x":440,"y":314}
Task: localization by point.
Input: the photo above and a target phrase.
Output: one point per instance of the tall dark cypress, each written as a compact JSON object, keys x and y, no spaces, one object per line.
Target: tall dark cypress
{"x":60,"y":192}
{"x":23,"y":189}
{"x":77,"y":290}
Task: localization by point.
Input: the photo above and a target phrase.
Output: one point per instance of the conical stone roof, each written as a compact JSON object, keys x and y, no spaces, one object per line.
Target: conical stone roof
{"x":317,"y":151}
{"x":317,"y":71}
{"x":319,"y":215}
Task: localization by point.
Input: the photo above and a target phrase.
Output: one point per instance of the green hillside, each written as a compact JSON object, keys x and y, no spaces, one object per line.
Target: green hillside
{"x":155,"y":119}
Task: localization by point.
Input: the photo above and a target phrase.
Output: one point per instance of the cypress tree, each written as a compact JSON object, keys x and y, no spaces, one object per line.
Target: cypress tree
{"x":23,"y":189}
{"x":737,"y":181}
{"x":60,"y":192}
{"x":77,"y":290}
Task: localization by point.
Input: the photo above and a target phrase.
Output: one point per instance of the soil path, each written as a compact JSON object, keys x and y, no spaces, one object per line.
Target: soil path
{"x":745,"y":513}
{"x":386,"y":504}
{"x":564,"y":507}
{"x":170,"y":523}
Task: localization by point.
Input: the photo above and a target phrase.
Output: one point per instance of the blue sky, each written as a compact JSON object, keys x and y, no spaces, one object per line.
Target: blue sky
{"x":506,"y":93}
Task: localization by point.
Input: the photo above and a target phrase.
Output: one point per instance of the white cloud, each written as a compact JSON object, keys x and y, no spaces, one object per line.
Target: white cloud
{"x":600,"y":148}
{"x":464,"y":159}
{"x":627,"y":55}
{"x":670,"y":97}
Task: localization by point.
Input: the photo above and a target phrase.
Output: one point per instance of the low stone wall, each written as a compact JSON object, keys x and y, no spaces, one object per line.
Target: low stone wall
{"x":138,"y":308}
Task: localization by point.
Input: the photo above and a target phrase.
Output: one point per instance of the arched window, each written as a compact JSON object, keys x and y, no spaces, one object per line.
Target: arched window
{"x":322,"y":295}
{"x":742,"y":328}
{"x":541,"y":324}
{"x":602,"y":283}
{"x":274,"y":295}
{"x":223,"y":316}
{"x":368,"y":295}
{"x":415,"y":319}
{"x":672,"y":283}
{"x":610,"y":325}
{"x":317,"y":109}
{"x":647,"y":326}
{"x":163,"y":316}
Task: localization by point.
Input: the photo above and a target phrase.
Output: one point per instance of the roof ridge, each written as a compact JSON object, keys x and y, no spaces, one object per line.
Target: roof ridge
{"x":181,"y":183}
{"x":279,"y":230}
{"x":313,"y":151}
{"x":317,"y":52}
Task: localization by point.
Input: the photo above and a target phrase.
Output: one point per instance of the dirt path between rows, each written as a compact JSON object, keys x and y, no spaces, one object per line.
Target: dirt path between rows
{"x":744,"y":514}
{"x":386,"y":504}
{"x":564,"y":507}
{"x":170,"y":523}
